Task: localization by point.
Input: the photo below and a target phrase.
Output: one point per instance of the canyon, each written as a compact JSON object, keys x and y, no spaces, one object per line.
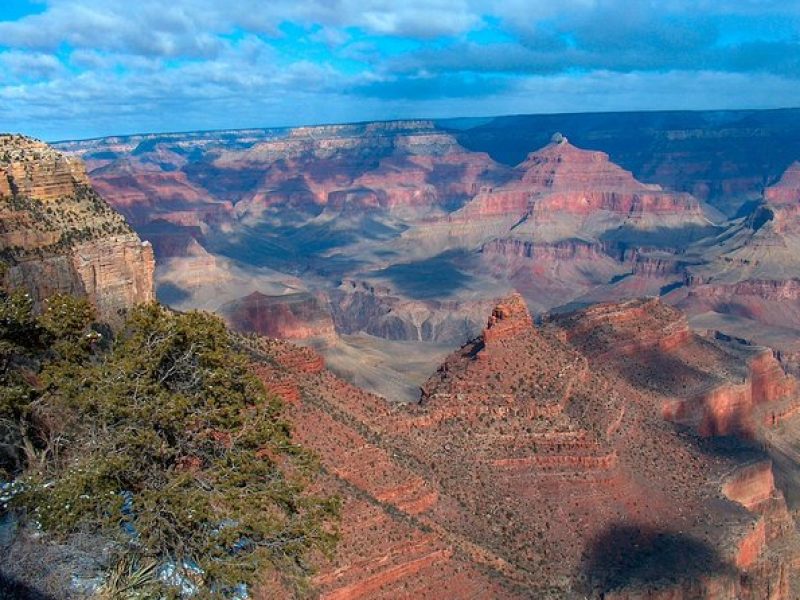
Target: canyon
{"x":409,"y":231}
{"x":576,"y":373}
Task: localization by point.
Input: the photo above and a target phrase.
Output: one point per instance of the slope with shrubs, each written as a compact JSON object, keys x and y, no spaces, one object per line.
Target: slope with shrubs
{"x":156,"y":440}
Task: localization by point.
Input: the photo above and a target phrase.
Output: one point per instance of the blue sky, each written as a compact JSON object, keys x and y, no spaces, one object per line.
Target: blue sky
{"x":84,"y":68}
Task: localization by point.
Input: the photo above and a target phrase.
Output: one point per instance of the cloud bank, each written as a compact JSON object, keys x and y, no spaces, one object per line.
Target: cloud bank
{"x":80,"y":68}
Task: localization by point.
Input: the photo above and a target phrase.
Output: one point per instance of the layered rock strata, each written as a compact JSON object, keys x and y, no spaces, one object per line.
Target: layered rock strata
{"x":539,"y":463}
{"x":58,"y":235}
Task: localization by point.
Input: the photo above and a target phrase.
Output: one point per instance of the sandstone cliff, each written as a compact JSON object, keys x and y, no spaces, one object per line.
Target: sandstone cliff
{"x":58,"y":235}
{"x":539,"y":464}
{"x":746,"y":281}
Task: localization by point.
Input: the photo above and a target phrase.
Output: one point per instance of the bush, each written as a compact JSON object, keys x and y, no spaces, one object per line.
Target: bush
{"x":166,"y":444}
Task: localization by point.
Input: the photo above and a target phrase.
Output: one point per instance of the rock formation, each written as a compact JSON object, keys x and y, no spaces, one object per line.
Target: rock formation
{"x":431,"y":228}
{"x":563,"y":179}
{"x":58,"y":235}
{"x":542,"y":462}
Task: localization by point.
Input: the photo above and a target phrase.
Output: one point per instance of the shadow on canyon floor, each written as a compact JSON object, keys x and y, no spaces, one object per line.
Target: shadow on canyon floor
{"x":429,"y":279}
{"x":171,"y":294}
{"x":629,"y":556}
{"x":660,"y":237}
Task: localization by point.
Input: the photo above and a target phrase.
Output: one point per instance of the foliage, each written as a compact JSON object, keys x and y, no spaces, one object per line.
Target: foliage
{"x":20,"y":336}
{"x":131,"y":579}
{"x":161,"y":440}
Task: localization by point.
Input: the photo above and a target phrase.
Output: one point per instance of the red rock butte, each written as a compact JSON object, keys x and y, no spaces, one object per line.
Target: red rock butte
{"x":508,"y":319}
{"x":562,"y":177}
{"x":541,"y":462}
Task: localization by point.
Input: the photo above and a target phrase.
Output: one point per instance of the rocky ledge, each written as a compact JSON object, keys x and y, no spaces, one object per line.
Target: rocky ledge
{"x":58,"y":235}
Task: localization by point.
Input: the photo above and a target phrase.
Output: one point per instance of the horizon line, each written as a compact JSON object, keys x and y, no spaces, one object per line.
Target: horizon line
{"x":435,"y":120}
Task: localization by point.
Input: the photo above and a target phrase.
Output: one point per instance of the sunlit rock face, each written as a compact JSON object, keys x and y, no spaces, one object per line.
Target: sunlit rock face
{"x":58,"y":235}
{"x":543,"y":461}
{"x":411,"y":230}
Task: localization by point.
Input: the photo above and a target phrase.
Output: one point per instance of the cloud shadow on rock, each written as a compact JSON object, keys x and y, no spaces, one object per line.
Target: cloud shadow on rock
{"x":644,"y":558}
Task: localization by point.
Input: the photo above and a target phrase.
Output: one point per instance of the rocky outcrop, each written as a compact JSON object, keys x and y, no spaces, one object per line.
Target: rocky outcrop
{"x":626,"y":328}
{"x":546,"y":430}
{"x":58,"y":235}
{"x":510,"y":318}
{"x":298,"y":316}
{"x":34,"y":170}
{"x":582,"y":181}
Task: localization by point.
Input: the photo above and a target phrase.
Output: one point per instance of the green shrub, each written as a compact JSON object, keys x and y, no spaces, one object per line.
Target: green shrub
{"x":167,"y":444}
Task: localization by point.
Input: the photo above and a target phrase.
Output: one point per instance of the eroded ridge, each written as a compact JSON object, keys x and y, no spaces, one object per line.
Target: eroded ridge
{"x":541,"y":462}
{"x":58,"y":235}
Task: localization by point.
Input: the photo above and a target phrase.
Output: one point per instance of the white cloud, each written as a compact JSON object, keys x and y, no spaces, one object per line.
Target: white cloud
{"x":28,"y":65}
{"x":86,"y":67}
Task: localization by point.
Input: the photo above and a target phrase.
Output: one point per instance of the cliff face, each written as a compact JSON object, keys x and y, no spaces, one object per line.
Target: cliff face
{"x":782,"y":202}
{"x":58,"y":235}
{"x":539,"y":463}
{"x":613,"y":213}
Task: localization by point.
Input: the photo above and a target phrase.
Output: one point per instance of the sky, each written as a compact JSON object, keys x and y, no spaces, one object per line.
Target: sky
{"x":74,"y":69}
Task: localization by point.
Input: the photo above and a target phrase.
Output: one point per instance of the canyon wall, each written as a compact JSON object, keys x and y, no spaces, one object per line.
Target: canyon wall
{"x":538,"y":464}
{"x":58,"y":235}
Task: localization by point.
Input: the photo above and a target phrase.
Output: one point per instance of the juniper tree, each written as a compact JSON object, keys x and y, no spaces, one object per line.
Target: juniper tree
{"x":162,"y":441}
